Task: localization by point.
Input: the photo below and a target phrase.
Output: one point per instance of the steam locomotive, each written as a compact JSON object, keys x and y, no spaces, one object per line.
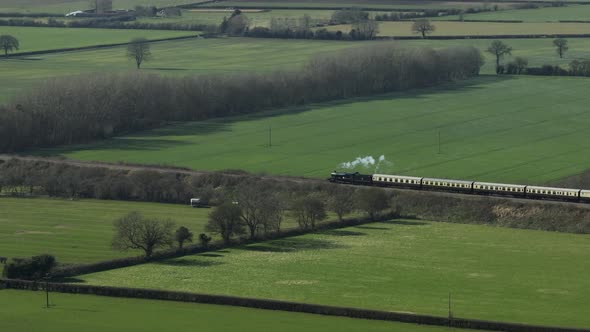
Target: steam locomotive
{"x":462,"y":186}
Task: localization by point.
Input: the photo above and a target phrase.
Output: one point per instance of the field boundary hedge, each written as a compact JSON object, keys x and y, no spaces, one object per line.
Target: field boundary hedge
{"x":92,"y":47}
{"x":78,"y":269}
{"x":534,"y":36}
{"x":268,"y":304}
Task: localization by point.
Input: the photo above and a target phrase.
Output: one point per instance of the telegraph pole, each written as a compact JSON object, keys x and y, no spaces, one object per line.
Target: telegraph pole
{"x":439,"y":142}
{"x":269,"y":136}
{"x":47,"y":290}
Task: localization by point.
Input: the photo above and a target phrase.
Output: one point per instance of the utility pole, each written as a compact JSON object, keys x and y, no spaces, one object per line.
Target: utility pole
{"x":47,"y":290}
{"x":450,"y":312}
{"x":269,"y":136}
{"x":439,"y":142}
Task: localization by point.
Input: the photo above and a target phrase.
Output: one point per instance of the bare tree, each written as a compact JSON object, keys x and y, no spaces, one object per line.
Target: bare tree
{"x":372,"y":201}
{"x":258,"y":207}
{"x":521,"y":64}
{"x":341,"y":202}
{"x":134,"y":231}
{"x":423,"y":26}
{"x":139,"y":50}
{"x":101,"y":6}
{"x":8,"y":43}
{"x":237,"y":25}
{"x":366,"y":29}
{"x":308,"y":210}
{"x":561,"y":44}
{"x":499,"y":49}
{"x":225,"y":220}
{"x":183,"y":235}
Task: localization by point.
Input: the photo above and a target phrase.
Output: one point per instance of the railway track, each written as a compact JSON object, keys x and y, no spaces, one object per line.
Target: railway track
{"x":170,"y":169}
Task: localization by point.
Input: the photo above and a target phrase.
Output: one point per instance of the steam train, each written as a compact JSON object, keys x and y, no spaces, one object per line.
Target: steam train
{"x":462,"y":186}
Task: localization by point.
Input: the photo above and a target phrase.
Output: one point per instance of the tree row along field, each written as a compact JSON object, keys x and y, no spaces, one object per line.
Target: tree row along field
{"x":67,"y":6}
{"x":546,"y":14}
{"x":239,"y":55}
{"x":81,"y":231}
{"x":33,"y":39}
{"x":446,"y":28}
{"x":491,"y":129}
{"x":492,"y":273}
{"x":24,"y":311}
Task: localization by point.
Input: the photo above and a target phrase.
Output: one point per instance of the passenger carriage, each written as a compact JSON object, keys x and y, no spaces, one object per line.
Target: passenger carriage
{"x":553,"y":193}
{"x":447,"y":184}
{"x":385,"y":180}
{"x":490,"y":188}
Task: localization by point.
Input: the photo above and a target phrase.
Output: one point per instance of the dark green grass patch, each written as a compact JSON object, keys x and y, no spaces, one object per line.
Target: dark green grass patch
{"x":23,"y":311}
{"x":492,"y":273}
{"x":511,"y":129}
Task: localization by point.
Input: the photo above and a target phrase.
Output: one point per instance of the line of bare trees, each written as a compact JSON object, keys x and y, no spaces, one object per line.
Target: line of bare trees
{"x":94,"y":106}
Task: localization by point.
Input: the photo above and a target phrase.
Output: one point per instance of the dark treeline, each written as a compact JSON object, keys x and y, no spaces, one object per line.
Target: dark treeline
{"x":117,"y":22}
{"x":578,"y":67}
{"x":94,"y":106}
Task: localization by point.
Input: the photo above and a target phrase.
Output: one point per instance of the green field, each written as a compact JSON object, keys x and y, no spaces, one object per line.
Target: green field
{"x":338,"y":4}
{"x":41,"y":39}
{"x":184,"y":57}
{"x":77,"y":231}
{"x":230,"y":55}
{"x":547,"y":14}
{"x":66,"y":6}
{"x":508,"y":129}
{"x":262,"y":18}
{"x":492,"y":273}
{"x":23,"y":311}
{"x":445,"y":28}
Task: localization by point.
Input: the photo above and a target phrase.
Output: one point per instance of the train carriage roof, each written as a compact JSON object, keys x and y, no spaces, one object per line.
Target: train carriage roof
{"x":552,"y":188}
{"x":397,"y":176}
{"x":447,"y":180}
{"x":499,"y":184}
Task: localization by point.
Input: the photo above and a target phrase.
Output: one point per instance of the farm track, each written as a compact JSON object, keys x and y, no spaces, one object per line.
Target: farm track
{"x":168,"y":169}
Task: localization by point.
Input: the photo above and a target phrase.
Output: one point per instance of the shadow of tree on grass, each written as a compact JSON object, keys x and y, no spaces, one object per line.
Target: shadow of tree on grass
{"x":293,"y":245}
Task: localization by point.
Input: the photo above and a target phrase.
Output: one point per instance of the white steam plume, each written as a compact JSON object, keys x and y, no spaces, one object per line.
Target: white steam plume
{"x":367,"y":163}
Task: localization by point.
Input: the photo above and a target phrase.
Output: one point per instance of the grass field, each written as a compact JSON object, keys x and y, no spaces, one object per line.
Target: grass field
{"x":227,"y":55}
{"x":77,"y":231}
{"x":444,"y":28}
{"x":338,"y":4}
{"x":547,"y":14}
{"x":202,"y":16}
{"x":497,"y":129}
{"x":41,"y":39}
{"x":23,"y":311}
{"x":230,"y":55}
{"x":492,"y":273}
{"x":66,"y":6}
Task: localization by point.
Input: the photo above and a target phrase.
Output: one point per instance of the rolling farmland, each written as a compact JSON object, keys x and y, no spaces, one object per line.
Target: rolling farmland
{"x":491,"y":129}
{"x":547,"y":14}
{"x":493,"y":273}
{"x":23,"y":311}
{"x":41,"y":39}
{"x":77,"y":231}
{"x":446,"y":28}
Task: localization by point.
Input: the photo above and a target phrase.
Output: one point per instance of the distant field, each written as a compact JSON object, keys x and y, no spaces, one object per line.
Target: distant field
{"x":513,"y":129}
{"x":41,"y":39}
{"x":77,"y":231}
{"x":184,"y":57}
{"x":492,"y":273}
{"x":230,"y":55}
{"x":22,"y":311}
{"x":547,"y":14}
{"x":444,"y":28}
{"x":66,"y":6}
{"x":198,"y":16}
{"x":338,"y":4}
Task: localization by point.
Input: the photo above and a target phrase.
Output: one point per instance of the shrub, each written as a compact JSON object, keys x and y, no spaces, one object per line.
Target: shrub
{"x":32,"y":268}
